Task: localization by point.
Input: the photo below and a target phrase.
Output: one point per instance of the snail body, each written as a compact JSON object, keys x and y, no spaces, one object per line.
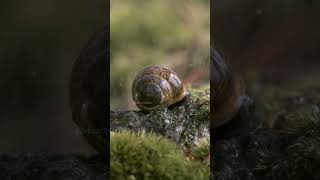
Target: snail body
{"x":227,"y":91}
{"x":156,"y":88}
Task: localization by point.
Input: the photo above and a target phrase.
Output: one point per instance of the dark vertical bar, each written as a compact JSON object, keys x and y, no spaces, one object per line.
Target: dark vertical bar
{"x":277,"y":40}
{"x":107,"y":131}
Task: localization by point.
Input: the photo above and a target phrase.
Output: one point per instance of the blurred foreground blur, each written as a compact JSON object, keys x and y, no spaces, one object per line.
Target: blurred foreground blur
{"x":39,"y":42}
{"x":272,"y":42}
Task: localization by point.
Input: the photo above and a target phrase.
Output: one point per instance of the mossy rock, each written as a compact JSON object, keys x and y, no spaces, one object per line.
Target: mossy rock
{"x":186,"y":122}
{"x":149,"y":156}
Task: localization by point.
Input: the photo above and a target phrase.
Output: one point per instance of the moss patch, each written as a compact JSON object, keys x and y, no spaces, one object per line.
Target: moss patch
{"x":148,"y":156}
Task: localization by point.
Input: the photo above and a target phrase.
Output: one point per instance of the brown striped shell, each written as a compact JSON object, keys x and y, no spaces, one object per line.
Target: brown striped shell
{"x":156,"y":88}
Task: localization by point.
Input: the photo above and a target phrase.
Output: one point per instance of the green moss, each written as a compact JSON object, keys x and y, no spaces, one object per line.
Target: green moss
{"x":295,"y":123}
{"x":201,"y":99}
{"x":201,"y":152}
{"x":148,"y":156}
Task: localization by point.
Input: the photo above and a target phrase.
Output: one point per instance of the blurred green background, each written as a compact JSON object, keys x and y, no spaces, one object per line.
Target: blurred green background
{"x":175,"y":34}
{"x":39,"y":41}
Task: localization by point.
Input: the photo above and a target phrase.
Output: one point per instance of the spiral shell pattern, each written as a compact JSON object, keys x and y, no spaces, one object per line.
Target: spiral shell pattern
{"x":157,"y":87}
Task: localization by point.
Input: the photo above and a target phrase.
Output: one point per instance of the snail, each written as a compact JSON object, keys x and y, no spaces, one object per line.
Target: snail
{"x":88,"y":91}
{"x":227,"y":91}
{"x":157,"y":87}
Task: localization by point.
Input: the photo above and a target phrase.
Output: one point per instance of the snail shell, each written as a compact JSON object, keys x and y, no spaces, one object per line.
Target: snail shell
{"x":88,"y":91}
{"x":157,"y":87}
{"x":227,"y":91}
